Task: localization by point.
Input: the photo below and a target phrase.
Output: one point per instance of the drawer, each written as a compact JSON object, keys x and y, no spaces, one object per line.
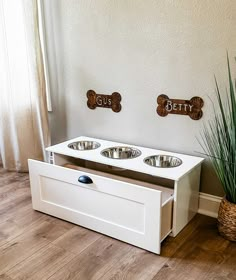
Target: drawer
{"x":129,"y":210}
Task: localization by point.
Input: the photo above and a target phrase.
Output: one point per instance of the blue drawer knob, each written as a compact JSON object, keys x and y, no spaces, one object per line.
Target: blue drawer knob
{"x":85,"y":179}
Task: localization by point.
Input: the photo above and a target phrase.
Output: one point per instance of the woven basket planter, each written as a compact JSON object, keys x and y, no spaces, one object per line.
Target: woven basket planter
{"x":227,"y":220}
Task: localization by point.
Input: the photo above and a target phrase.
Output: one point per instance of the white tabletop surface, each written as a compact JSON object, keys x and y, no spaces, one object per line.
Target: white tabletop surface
{"x":135,"y":164}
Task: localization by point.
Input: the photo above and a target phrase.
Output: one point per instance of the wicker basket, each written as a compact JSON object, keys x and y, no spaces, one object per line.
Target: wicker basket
{"x":227,"y":220}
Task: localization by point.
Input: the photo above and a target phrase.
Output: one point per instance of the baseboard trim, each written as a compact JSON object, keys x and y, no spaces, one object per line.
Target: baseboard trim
{"x":209,"y":204}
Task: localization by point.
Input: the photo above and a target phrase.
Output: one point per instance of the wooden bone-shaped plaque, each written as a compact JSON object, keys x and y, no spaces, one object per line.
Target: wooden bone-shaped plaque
{"x":102,"y":100}
{"x":192,"y":107}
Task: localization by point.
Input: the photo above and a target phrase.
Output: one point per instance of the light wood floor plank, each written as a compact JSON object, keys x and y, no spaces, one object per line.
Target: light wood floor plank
{"x":136,"y":264}
{"x":38,"y":235}
{"x":42,"y":264}
{"x":198,"y":256}
{"x":19,"y":249}
{"x":4,"y":277}
{"x":14,"y":207}
{"x":94,"y":261}
{"x":77,"y":239}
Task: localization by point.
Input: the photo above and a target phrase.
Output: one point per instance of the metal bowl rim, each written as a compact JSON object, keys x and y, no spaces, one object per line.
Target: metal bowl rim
{"x":180,"y":161}
{"x":118,"y":147}
{"x":97,"y":145}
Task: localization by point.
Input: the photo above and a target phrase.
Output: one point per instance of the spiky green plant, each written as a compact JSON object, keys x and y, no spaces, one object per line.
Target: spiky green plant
{"x":219,"y":138}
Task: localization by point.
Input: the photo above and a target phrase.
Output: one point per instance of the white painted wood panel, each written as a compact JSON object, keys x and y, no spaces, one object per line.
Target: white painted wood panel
{"x":135,"y":164}
{"x":186,"y":193}
{"x":209,"y":204}
{"x":119,"y":209}
{"x":94,"y":203}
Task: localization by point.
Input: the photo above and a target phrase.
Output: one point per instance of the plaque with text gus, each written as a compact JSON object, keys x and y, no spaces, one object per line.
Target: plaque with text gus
{"x":103,"y":100}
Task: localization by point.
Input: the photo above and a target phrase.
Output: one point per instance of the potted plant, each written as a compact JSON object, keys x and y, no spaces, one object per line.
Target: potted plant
{"x":218,"y":140}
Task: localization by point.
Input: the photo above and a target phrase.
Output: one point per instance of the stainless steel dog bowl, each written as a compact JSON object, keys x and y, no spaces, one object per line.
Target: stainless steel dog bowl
{"x":121,"y":152}
{"x":163,"y":161}
{"x":84,"y":145}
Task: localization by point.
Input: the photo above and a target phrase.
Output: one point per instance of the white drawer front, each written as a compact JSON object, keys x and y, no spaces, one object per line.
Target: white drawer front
{"x":91,"y":202}
{"x":119,"y":209}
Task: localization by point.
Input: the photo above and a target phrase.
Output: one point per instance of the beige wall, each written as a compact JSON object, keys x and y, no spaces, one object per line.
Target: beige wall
{"x":140,"y":49}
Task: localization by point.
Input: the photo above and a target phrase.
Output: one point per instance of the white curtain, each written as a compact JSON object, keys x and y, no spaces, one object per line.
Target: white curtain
{"x":24,"y":130}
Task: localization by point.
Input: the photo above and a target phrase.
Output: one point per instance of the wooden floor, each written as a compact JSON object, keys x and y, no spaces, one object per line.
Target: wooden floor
{"x":37,"y":246}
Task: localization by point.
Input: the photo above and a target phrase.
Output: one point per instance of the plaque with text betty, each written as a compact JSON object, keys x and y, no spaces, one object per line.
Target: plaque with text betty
{"x":103,"y":100}
{"x":192,"y":107}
